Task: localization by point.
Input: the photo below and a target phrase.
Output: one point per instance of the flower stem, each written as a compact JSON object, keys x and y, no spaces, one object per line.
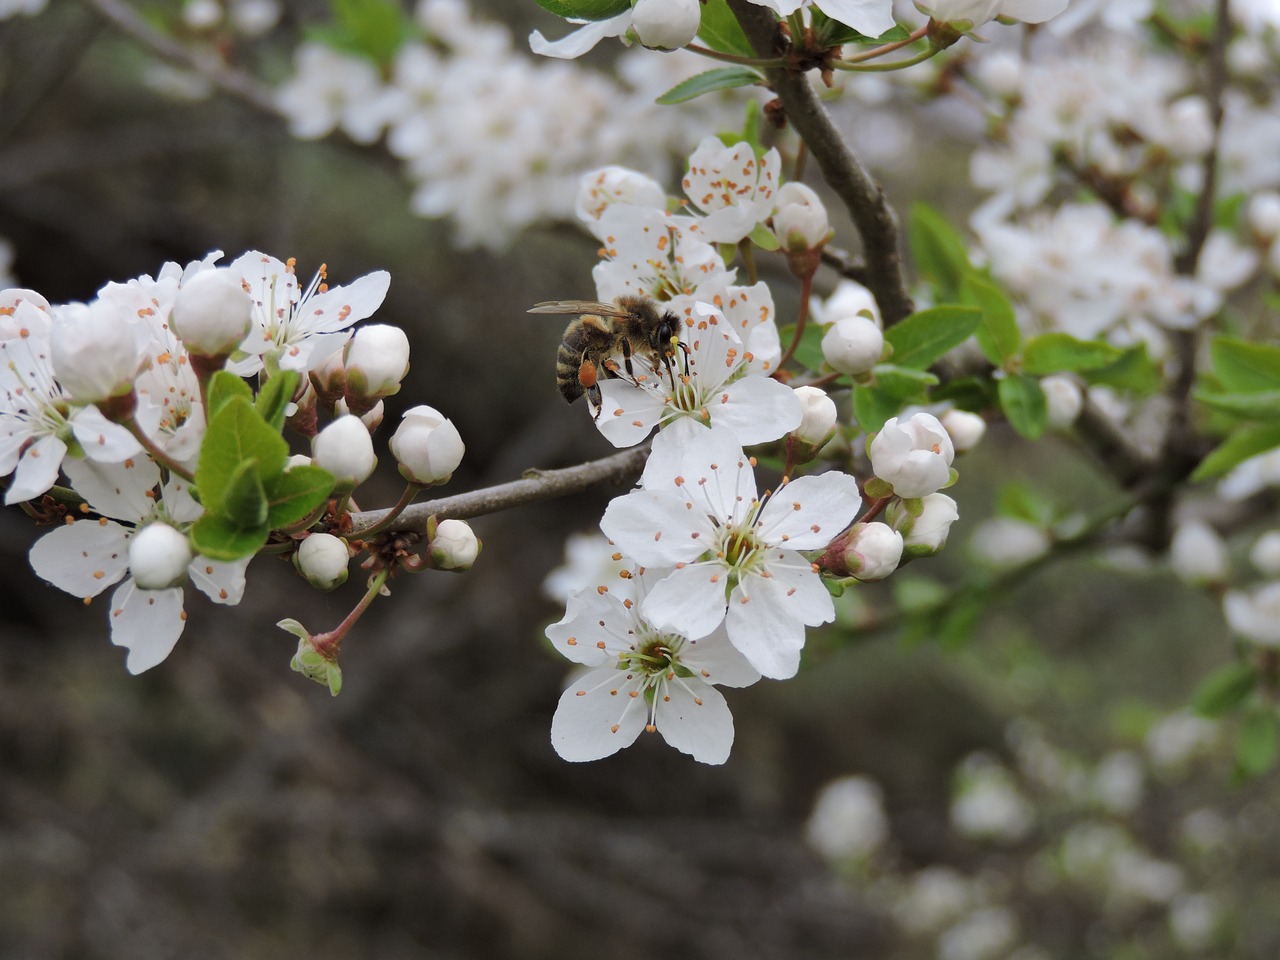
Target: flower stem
{"x":410,"y":491}
{"x":858,"y":67}
{"x":154,"y":452}
{"x":806,"y":290}
{"x":918,"y":34}
{"x":735,"y":58}
{"x":328,"y":644}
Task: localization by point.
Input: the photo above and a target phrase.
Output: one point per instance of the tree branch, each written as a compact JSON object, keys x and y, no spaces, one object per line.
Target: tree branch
{"x":841,"y":169}
{"x":534,"y":486}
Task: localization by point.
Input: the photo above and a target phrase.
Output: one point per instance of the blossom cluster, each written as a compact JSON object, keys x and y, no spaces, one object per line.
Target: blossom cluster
{"x":490,"y":138}
{"x":712,"y":578}
{"x":170,"y":474}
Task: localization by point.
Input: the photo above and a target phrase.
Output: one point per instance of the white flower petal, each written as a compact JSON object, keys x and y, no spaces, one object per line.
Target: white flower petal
{"x":102,"y":440}
{"x":221,"y":582}
{"x":595,"y":628}
{"x":340,"y":307}
{"x":597,"y":716}
{"x":712,"y":473}
{"x":37,"y":469}
{"x":718,"y":660}
{"x":627,"y":412}
{"x":871,"y":18}
{"x":688,"y":601}
{"x":147,"y":622}
{"x":757,"y":409}
{"x":581,"y":40}
{"x":807,"y":513}
{"x":796,"y":588}
{"x":762,"y":628}
{"x":82,"y":558}
{"x":657,"y":529}
{"x":695,"y":719}
{"x":117,"y":490}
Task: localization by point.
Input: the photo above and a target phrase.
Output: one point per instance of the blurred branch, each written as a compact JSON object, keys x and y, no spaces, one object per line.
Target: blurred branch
{"x":239,"y":85}
{"x":841,"y":169}
{"x":534,"y":486}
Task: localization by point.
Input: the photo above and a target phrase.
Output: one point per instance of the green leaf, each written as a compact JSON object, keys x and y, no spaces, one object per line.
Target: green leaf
{"x":374,"y":29}
{"x":1063,"y":353}
{"x":236,"y":435}
{"x":974,"y":394}
{"x":721,"y":31}
{"x":295,"y":493}
{"x":764,"y":238}
{"x":218,"y":539}
{"x":273,"y":399}
{"x":1245,"y":367}
{"x":922,"y":338}
{"x":1024,"y":406}
{"x":1257,"y":741}
{"x":721,"y":78}
{"x":244,"y":502}
{"x":223,"y":387}
{"x":902,"y":382}
{"x":809,"y":352}
{"x":1224,"y":689}
{"x":585,"y":9}
{"x":1263,"y":405}
{"x":1134,"y":372}
{"x":1240,"y":446}
{"x":938,"y":249}
{"x":1021,"y":502}
{"x":998,"y":334}
{"x":872,"y":407}
{"x":956,"y":626}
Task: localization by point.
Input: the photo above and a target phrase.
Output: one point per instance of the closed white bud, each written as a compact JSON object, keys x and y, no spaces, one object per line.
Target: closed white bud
{"x":925,"y":535}
{"x":848,"y":299}
{"x":377,"y":359}
{"x":212,"y":313}
{"x":1064,"y":400}
{"x":427,"y":446}
{"x":818,"y":419}
{"x":966,"y":429}
{"x":297,"y":460}
{"x":853,"y":345}
{"x":95,"y":351}
{"x":322,"y":559}
{"x":801,"y":221}
{"x":455,"y":546}
{"x":872,"y":550}
{"x":1197,"y":554}
{"x":371,"y":418}
{"x":158,"y":557}
{"x":1265,"y":554}
{"x":1255,"y":614}
{"x":913,"y":456}
{"x":666,"y":24}
{"x":345,"y":449}
{"x":1263,"y":214}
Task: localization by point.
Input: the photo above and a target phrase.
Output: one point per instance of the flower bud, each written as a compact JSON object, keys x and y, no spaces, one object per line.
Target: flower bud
{"x":926,"y":534}
{"x":212,"y":313}
{"x":427,"y":446}
{"x":1063,"y":398}
{"x":800,"y":222}
{"x":329,"y":378}
{"x":377,"y":359}
{"x":848,"y":299}
{"x":1265,"y":554}
{"x":322,"y":559}
{"x":1263,"y":214}
{"x":818,"y":419}
{"x":1198,"y":555}
{"x":95,"y":351}
{"x":371,"y":418}
{"x":345,"y":449}
{"x":913,"y":456}
{"x":158,"y":557}
{"x":1255,"y":614}
{"x":853,"y":345}
{"x":965,"y":429}
{"x":455,"y":546}
{"x":872,"y":550}
{"x":666,"y":24}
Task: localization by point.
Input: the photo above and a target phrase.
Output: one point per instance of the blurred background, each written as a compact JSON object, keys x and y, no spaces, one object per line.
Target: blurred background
{"x":1033,"y":790}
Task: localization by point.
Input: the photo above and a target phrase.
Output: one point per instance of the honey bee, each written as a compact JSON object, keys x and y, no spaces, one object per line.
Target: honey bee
{"x":601,"y":342}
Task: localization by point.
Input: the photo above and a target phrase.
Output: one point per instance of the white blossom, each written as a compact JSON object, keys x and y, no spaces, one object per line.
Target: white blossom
{"x":872,"y":550}
{"x":345,"y":449}
{"x":159,"y":556}
{"x":427,"y":446}
{"x":818,"y":416}
{"x":96,"y":351}
{"x":733,"y":189}
{"x":926,"y":534}
{"x":965,"y":429}
{"x":1265,"y":554}
{"x":848,"y":821}
{"x":1255,"y":613}
{"x":376,"y":360}
{"x":853,"y":345}
{"x":455,"y":545}
{"x":666,"y":24}
{"x":913,"y":455}
{"x":800,"y":222}
{"x":736,"y":555}
{"x":1198,"y":554}
{"x":323,"y":560}
{"x":212,"y":312}
{"x":642,"y":677}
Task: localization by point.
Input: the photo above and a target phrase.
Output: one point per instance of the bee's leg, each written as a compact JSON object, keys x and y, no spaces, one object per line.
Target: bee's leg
{"x":595,"y":400}
{"x":626,"y":359}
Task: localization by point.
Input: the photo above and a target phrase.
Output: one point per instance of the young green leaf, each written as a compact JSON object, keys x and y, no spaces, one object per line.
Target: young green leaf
{"x":1258,"y":741}
{"x":721,"y":78}
{"x":217,"y":538}
{"x":873,"y":406}
{"x":1245,"y":367}
{"x":585,"y":9}
{"x":244,"y":502}
{"x":295,"y":493}
{"x":721,"y":31}
{"x":1024,"y":405}
{"x":1237,"y":448}
{"x":998,"y":334}
{"x":922,"y":338}
{"x":224,"y":386}
{"x":938,"y":249}
{"x":1063,"y":353}
{"x":1263,"y":405}
{"x":236,"y":434}
{"x":1224,"y":689}
{"x":1134,"y":371}
{"x":274,"y":397}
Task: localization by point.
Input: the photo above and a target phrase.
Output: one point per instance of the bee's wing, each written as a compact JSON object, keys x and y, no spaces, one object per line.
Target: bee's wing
{"x":579,"y":306}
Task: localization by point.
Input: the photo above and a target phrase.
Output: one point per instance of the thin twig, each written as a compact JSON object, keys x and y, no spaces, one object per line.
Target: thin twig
{"x":536,"y":485}
{"x":841,"y":169}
